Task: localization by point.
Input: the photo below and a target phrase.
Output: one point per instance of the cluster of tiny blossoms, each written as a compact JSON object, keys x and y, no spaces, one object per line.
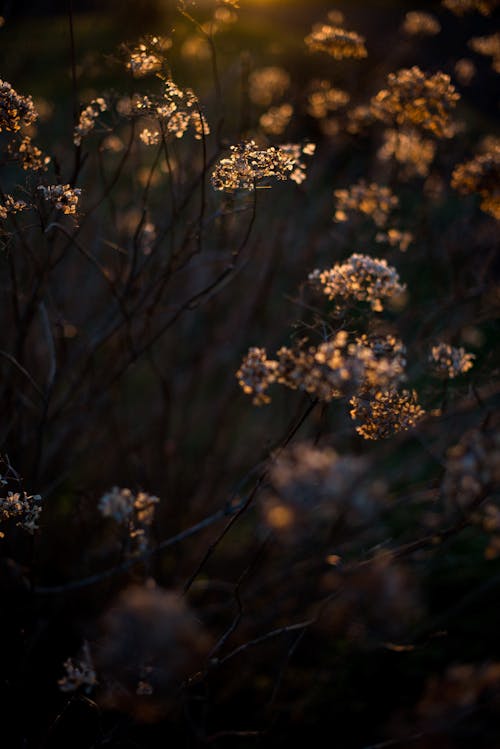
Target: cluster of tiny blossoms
{"x":459,"y":7}
{"x":311,"y":486}
{"x":87,"y":121}
{"x":418,"y":22}
{"x":472,"y":469}
{"x":410,"y":150}
{"x":386,"y":413}
{"x":147,"y":56}
{"x":266,"y":85}
{"x":11,"y":205}
{"x":414,"y":98}
{"x":24,"y":508}
{"x":249,"y":166}
{"x":15,"y":110}
{"x":371,"y":200}
{"x":177,"y":109}
{"x":136,"y":511}
{"x":62,"y":197}
{"x":336,"y":42}
{"x":29,"y":156}
{"x":333,"y":369}
{"x":360,"y":278}
{"x":481,"y":175}
{"x":450,"y":361}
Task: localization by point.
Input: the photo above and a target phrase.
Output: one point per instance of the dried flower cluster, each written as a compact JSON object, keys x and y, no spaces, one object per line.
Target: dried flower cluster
{"x":333,"y":369}
{"x":147,"y":56}
{"x":409,"y":149}
{"x":385,"y":414}
{"x":62,"y":197}
{"x":135,"y":511}
{"x":421,"y":23}
{"x":15,"y":110}
{"x":28,"y":155}
{"x":472,"y":469}
{"x":266,"y":85}
{"x":336,"y":42}
{"x":481,"y":176}
{"x":371,"y":200}
{"x":313,"y":486}
{"x":414,"y":98}
{"x":249,"y":166}
{"x":177,"y":109}
{"x":150,"y":137}
{"x":360,"y":278}
{"x":450,"y":361}
{"x":24,"y":508}
{"x":88,"y":118}
{"x":11,"y":205}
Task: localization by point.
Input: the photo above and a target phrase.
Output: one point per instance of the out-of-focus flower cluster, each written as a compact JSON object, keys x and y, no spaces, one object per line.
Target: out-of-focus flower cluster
{"x":63,"y":197}
{"x":360,"y":278}
{"x":459,"y":7}
{"x":371,"y":200}
{"x":266,"y":85}
{"x":134,"y":511}
{"x":336,"y":41}
{"x":276,"y":119}
{"x":421,"y":23}
{"x":414,"y":98}
{"x":481,"y":175}
{"x":395,"y":238}
{"x":386,"y":413}
{"x":450,"y":361}
{"x":472,"y":469}
{"x":313,"y":486}
{"x":488,"y":46}
{"x":249,"y":166}
{"x":15,"y":110}
{"x":150,"y":643}
{"x":409,"y":149}
{"x":324,"y":99}
{"x":88,"y":118}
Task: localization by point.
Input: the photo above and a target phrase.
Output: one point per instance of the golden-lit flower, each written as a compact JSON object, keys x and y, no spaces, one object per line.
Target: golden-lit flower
{"x":386,"y":413}
{"x":450,"y":361}
{"x":459,"y":7}
{"x":414,"y":98}
{"x":360,"y":278}
{"x":88,"y":118}
{"x":15,"y":110}
{"x":62,"y":197}
{"x":324,"y":99}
